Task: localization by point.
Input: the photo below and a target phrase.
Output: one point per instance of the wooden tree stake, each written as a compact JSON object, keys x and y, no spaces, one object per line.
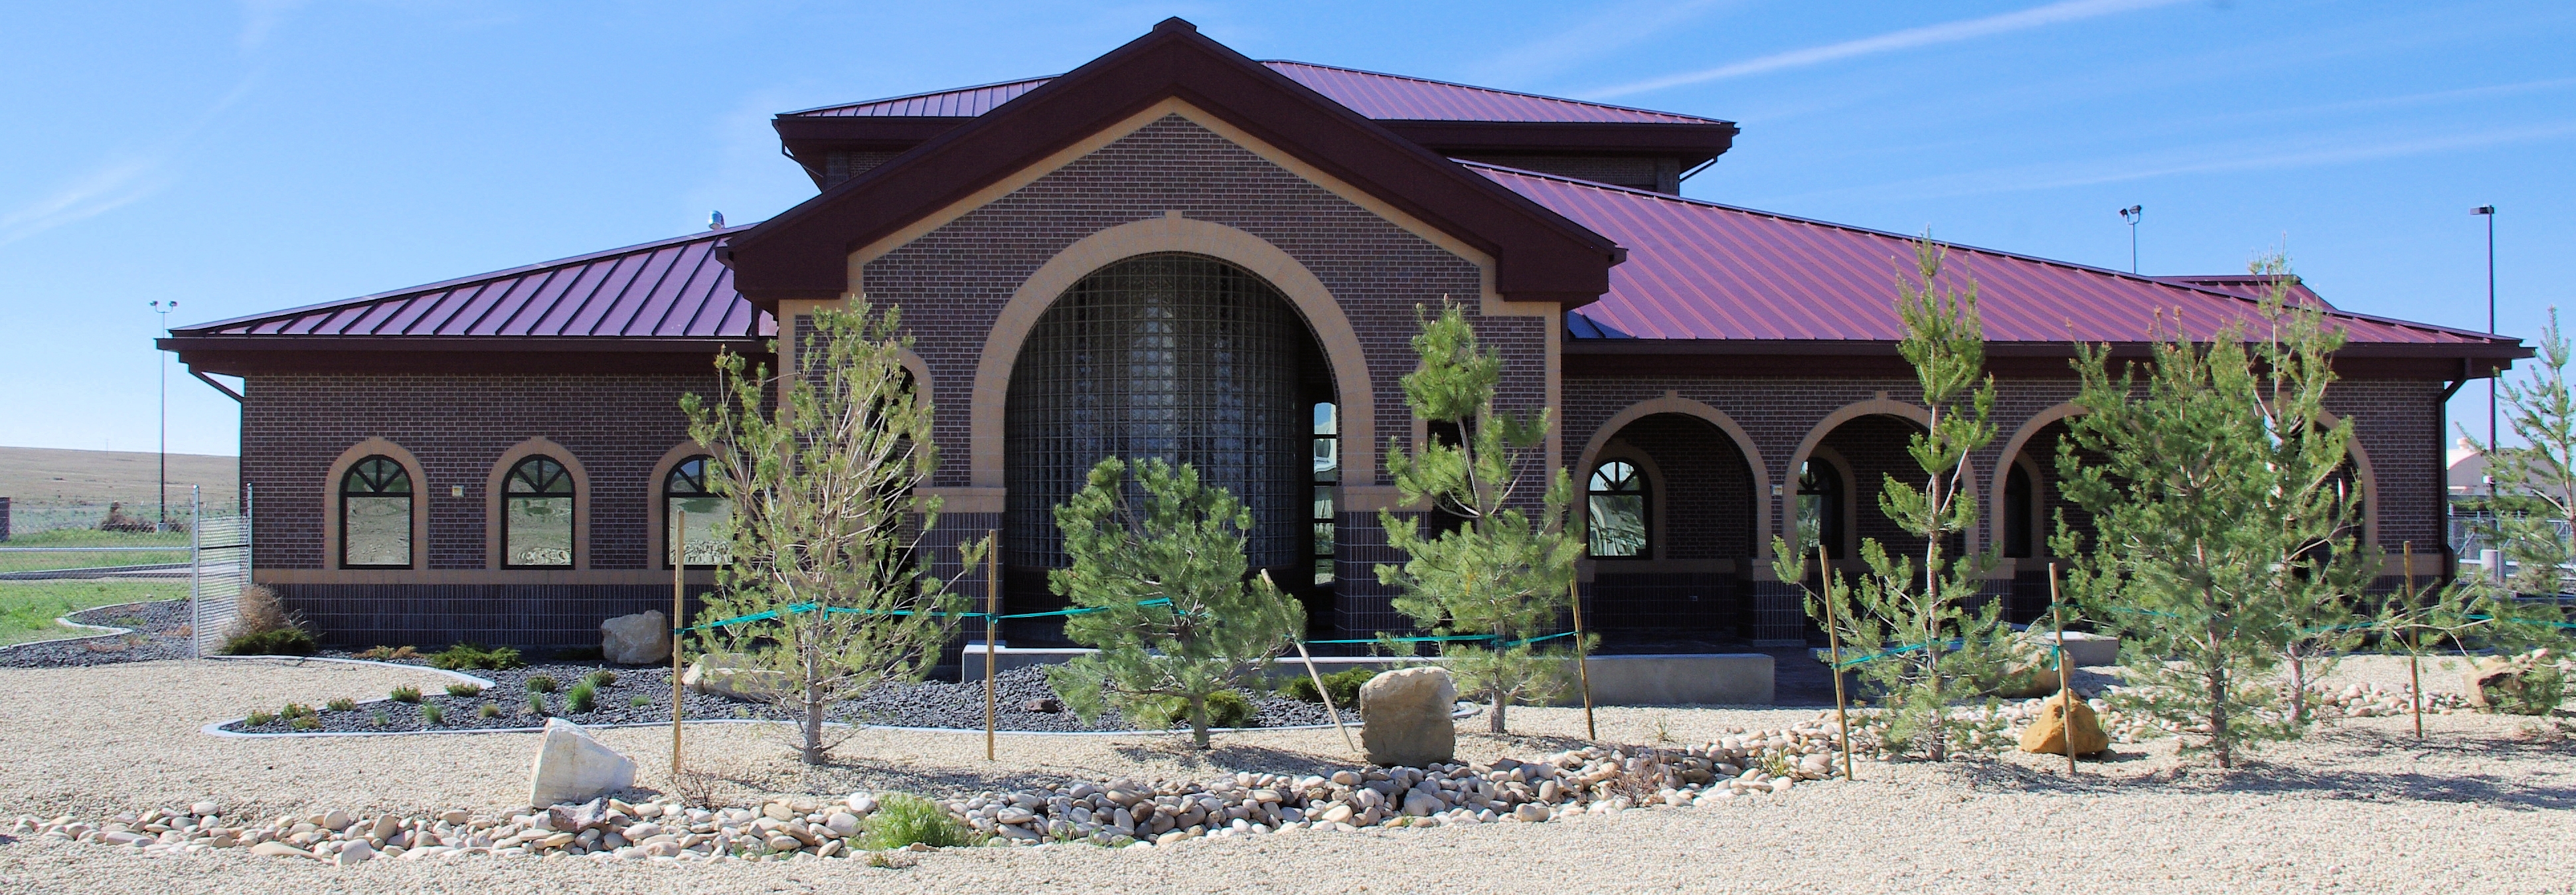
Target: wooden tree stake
{"x":1834,"y":638}
{"x":679,"y":587}
{"x":1582,"y":662}
{"x":2414,"y":661}
{"x":992,"y":632}
{"x":2065,"y":678}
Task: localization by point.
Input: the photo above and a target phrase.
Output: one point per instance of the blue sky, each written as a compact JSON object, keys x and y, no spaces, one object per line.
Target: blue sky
{"x":271,"y":153}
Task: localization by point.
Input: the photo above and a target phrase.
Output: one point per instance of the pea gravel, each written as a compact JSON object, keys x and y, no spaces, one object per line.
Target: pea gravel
{"x":2477,"y":807}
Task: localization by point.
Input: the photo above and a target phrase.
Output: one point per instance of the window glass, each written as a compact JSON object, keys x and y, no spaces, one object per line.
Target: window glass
{"x":375,"y":515}
{"x":1328,"y":473}
{"x":1617,"y":523}
{"x":1820,"y":507}
{"x":536,"y":515}
{"x":687,"y":491}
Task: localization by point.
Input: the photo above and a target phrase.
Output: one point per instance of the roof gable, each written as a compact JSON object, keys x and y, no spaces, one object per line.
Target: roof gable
{"x":1378,"y":95}
{"x":803,"y":253}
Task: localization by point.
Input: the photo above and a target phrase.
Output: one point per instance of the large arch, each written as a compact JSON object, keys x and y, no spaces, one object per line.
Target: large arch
{"x":1878,"y":406}
{"x":1172,"y":233}
{"x":2038,"y":422}
{"x":1673,"y":402}
{"x":2013,"y":446}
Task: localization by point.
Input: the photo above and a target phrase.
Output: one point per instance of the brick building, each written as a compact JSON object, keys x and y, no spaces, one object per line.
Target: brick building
{"x":1178,"y":251}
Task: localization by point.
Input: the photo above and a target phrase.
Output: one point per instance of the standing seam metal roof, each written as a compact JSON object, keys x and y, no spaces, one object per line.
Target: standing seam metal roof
{"x":1372,"y":94}
{"x":1700,"y":270}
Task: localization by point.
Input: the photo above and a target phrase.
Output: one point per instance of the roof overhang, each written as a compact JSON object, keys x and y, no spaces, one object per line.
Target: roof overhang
{"x":249,"y":355}
{"x":803,"y":253}
{"x":1806,"y":357}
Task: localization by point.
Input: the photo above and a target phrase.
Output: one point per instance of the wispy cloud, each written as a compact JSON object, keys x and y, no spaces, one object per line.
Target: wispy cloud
{"x":2308,"y":152}
{"x":1599,"y":32}
{"x":122,"y":178}
{"x":1946,"y":32}
{"x":261,"y":18}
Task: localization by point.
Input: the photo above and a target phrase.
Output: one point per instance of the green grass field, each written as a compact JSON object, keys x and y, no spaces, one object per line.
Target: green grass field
{"x":78,"y":537}
{"x":28,"y":608}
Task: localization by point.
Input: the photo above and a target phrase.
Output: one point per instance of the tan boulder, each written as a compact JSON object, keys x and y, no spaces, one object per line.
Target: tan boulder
{"x":2049,"y":732}
{"x":2031,"y":672}
{"x":734,"y":676}
{"x":1404,"y":717}
{"x":640,"y":639}
{"x":572,"y":767}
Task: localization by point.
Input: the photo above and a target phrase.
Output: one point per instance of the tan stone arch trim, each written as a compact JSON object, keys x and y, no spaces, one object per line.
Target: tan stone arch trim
{"x":2013,"y":448}
{"x":656,"y":510}
{"x":332,"y":507}
{"x":2363,"y":470}
{"x":1172,"y":233}
{"x":581,"y":499}
{"x":1673,"y":402}
{"x":1879,"y":406}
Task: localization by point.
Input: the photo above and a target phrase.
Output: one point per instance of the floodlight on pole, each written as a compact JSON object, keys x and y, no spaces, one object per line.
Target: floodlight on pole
{"x":2132,"y":215}
{"x":2488,"y":212}
{"x":164,"y":308}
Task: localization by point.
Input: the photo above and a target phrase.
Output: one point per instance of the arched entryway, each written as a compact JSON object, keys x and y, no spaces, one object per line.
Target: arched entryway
{"x":1671,"y":515}
{"x":1174,"y":355}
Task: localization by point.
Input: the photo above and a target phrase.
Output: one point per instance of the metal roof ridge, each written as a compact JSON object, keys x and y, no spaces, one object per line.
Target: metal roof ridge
{"x":1480,"y":87}
{"x":2087,"y":268}
{"x":923,"y":95}
{"x":463,"y":280}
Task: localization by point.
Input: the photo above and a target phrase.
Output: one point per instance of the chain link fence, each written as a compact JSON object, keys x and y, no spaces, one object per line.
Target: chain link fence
{"x":218,"y":570}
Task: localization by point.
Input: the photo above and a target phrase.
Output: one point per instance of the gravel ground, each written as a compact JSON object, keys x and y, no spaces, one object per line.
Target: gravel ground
{"x":2480,"y":806}
{"x":160,"y":633}
{"x":642,"y":695}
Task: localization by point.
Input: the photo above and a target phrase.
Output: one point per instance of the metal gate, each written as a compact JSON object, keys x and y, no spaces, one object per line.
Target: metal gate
{"x":218,"y":570}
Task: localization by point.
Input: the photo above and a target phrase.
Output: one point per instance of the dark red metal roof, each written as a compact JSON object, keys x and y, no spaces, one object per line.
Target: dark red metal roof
{"x":671,"y":288}
{"x":1372,"y":94}
{"x":1703,"y":271}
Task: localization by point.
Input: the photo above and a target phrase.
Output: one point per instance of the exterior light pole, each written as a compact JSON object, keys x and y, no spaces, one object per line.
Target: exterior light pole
{"x":164,"y":308}
{"x":2488,"y":212}
{"x":2132,"y":215}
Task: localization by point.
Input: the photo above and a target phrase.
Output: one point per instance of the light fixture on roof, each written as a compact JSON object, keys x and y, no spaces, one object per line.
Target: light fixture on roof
{"x":715,"y":220}
{"x":2132,"y":215}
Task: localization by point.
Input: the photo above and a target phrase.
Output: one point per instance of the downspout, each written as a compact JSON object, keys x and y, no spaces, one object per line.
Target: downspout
{"x":2442,"y":483}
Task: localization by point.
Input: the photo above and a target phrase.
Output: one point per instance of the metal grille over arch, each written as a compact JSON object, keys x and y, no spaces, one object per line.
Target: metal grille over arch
{"x":1171,"y":355}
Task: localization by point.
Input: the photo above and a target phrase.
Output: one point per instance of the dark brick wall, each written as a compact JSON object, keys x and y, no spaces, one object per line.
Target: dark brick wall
{"x":1704,"y":487}
{"x":616,"y":425}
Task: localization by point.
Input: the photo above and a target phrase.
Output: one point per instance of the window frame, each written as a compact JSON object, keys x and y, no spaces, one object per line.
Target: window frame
{"x":572,"y":516}
{"x":1833,"y":525}
{"x":666,"y":496}
{"x":411,"y":495}
{"x":1644,"y":492}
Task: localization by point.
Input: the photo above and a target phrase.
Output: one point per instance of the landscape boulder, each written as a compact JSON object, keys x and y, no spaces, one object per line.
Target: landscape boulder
{"x":733,"y":676}
{"x":571,"y":767}
{"x":1404,"y":717}
{"x":2050,"y":731}
{"x":640,"y":639}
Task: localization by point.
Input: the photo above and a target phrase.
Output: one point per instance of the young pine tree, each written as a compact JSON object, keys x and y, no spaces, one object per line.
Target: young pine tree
{"x":2534,"y":505}
{"x":1501,"y":577}
{"x":824,"y":521}
{"x":1935,"y":642}
{"x":2224,"y":533}
{"x":1175,"y":621}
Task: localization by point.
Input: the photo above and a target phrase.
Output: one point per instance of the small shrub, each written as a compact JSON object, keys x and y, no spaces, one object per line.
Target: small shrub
{"x":537,"y":703}
{"x":381,"y":719}
{"x":582,"y":698}
{"x":390,"y":653}
{"x":1344,"y":685}
{"x":465,"y":656}
{"x":902,"y":819}
{"x":541,"y":683}
{"x":258,"y":611}
{"x":294,"y":710}
{"x":430,"y":712}
{"x":465,"y":691}
{"x":1226,"y":708}
{"x":2535,"y":692}
{"x":341,"y":704}
{"x":488,"y":711}
{"x":601,"y":678}
{"x":305,"y":723}
{"x":279,"y":642}
{"x":259,"y":719}
{"x":405,"y":694}
{"x":640,"y":702}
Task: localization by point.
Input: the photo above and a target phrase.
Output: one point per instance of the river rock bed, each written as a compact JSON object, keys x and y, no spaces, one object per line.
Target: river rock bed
{"x":1023,"y":694}
{"x":161,"y":631}
{"x":1122,"y":812}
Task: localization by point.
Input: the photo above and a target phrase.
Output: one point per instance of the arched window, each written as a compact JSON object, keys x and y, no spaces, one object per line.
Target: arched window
{"x":2019,"y":515}
{"x":1820,"y":506}
{"x":1328,"y":475}
{"x":686,"y":490}
{"x":375,"y":515}
{"x":1618,"y":510}
{"x":537,"y":515}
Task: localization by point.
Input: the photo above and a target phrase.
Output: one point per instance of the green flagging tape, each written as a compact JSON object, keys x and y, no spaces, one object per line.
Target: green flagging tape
{"x":2564,"y":626}
{"x":1086,"y":610}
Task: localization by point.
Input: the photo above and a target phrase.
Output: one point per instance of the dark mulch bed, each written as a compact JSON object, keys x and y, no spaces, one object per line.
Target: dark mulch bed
{"x":642,"y":695}
{"x":160,"y":632}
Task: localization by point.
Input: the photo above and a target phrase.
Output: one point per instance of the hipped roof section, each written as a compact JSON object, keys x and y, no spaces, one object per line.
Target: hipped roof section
{"x":1701,"y":272}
